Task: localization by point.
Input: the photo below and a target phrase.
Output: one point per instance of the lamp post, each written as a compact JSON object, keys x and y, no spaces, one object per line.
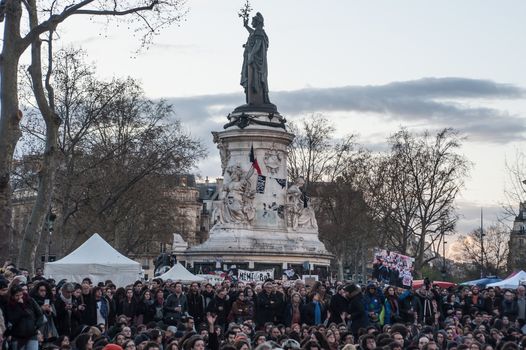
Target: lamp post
{"x":49,"y":224}
{"x":481,"y":244}
{"x":444,"y":270}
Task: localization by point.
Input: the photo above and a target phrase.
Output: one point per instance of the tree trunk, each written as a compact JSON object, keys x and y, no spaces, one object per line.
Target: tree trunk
{"x":9,"y":114}
{"x":340,"y":268}
{"x":35,"y":225}
{"x":46,"y":173}
{"x":419,"y":260}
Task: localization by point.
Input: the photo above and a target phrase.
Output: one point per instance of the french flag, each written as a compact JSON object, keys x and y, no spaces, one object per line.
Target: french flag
{"x":254,"y":161}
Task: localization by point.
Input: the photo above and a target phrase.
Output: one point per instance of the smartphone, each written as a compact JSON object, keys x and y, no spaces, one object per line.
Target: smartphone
{"x":46,"y":301}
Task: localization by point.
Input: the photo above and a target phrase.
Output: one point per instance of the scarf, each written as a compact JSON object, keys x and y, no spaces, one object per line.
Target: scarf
{"x":393,"y":300}
{"x":317,"y":313}
{"x":67,"y":301}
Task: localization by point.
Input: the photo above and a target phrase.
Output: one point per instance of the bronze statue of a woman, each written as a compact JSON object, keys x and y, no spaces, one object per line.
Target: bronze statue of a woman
{"x":254,"y":71}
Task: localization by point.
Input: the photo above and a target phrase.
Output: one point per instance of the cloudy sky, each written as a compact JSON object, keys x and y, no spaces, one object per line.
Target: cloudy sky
{"x":371,"y":66}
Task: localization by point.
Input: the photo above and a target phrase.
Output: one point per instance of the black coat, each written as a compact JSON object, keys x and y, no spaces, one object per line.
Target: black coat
{"x":196,"y":307}
{"x":147,"y":310}
{"x":90,"y":313}
{"x":357,"y":313}
{"x":25,"y":318}
{"x":307,"y":313}
{"x":337,"y":306}
{"x":509,"y":309}
{"x":127,"y":308}
{"x":67,"y":320}
{"x":220,"y":307}
{"x":268,"y":308}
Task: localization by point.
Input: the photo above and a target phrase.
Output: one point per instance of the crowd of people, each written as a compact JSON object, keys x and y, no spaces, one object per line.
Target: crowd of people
{"x":39,"y":313}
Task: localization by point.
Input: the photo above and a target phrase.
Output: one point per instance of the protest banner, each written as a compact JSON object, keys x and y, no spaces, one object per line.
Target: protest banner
{"x":393,"y":268}
{"x":255,"y":276}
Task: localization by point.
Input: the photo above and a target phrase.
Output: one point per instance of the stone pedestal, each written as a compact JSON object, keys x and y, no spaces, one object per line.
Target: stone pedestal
{"x":259,"y":217}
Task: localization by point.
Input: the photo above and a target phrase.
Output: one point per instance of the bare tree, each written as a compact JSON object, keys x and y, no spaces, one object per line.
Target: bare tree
{"x":114,"y":150}
{"x":334,"y":169}
{"x":412,"y":192}
{"x":146,"y":17}
{"x":515,"y":191}
{"x":316,"y":154}
{"x":496,"y":248}
{"x":345,"y":224}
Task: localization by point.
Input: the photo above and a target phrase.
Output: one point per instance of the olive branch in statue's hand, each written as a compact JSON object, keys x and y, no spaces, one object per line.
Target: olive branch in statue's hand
{"x":244,"y":12}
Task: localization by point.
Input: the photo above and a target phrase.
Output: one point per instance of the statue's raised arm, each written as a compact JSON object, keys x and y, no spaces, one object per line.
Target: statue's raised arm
{"x":248,"y":28}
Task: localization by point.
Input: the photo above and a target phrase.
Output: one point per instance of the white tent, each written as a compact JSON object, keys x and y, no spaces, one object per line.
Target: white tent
{"x":512,"y":282}
{"x":97,"y":260}
{"x":179,"y":273}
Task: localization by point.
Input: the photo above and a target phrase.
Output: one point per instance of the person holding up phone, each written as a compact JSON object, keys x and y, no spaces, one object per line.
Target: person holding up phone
{"x":41,"y":293}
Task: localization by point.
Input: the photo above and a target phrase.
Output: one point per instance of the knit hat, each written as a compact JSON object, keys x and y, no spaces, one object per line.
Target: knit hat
{"x":141,"y":338}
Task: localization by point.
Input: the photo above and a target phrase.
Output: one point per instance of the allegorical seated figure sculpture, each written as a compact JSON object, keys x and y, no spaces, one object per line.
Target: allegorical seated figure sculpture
{"x":301,"y":214}
{"x":237,"y":204}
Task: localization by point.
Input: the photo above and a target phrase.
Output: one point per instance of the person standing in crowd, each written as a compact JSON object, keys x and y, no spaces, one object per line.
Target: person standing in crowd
{"x":145,"y":308}
{"x":509,"y":307}
{"x":266,"y":305}
{"x":475,"y":300}
{"x":374,"y":301}
{"x":41,"y":293}
{"x":196,"y":303}
{"x":158,"y":304}
{"x":68,"y":314}
{"x":25,"y":318}
{"x":208,"y":294}
{"x":355,"y":309}
{"x":521,"y":303}
{"x":491,"y":302}
{"x":293,"y":310}
{"x":314,"y":313}
{"x":137,"y":291}
{"x":250,"y":300}
{"x":220,"y":307}
{"x":239,"y":310}
{"x":338,"y":306}
{"x":108,"y":295}
{"x":97,"y":308}
{"x":426,"y":312}
{"x":175,"y":305}
{"x":392,"y":305}
{"x":128,"y":305}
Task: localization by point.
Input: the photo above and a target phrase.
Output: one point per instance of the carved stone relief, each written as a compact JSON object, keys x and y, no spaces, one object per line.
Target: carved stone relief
{"x":272,"y":161}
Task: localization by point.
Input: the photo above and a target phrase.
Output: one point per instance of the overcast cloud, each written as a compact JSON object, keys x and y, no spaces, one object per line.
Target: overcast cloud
{"x":439,"y":102}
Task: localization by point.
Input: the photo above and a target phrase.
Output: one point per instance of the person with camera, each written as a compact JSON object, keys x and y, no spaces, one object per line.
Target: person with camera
{"x":41,"y":293}
{"x":175,"y":306}
{"x":425,"y":296}
{"x":68,"y":314}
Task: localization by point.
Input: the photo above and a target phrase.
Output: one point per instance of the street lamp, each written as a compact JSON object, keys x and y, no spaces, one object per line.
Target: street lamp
{"x":481,"y":244}
{"x":444,"y":270}
{"x":50,"y":221}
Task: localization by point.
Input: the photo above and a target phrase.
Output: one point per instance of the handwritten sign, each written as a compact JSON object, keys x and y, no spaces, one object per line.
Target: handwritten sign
{"x":255,"y":276}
